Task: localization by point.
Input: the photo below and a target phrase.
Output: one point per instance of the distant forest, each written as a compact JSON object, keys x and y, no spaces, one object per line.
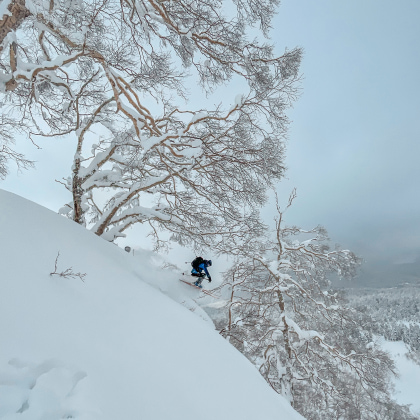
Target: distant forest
{"x":392,"y":312}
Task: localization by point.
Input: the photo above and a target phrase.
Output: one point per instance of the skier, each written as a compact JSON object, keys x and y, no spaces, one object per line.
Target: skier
{"x":199,"y":269}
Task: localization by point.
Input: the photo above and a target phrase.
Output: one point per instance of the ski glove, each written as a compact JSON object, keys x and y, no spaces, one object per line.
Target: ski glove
{"x":209,"y":279}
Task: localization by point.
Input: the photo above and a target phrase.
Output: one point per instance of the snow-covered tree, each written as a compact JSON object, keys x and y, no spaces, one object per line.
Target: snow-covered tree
{"x":7,"y":152}
{"x":282,"y":314}
{"x":113,"y":73}
{"x":278,"y":286}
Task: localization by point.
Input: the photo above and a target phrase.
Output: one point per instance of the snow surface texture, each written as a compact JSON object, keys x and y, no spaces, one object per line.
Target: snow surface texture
{"x":407,"y":389}
{"x":111,"y":346}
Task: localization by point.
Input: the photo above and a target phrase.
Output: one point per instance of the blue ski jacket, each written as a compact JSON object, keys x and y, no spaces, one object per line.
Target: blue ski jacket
{"x":202,"y":267}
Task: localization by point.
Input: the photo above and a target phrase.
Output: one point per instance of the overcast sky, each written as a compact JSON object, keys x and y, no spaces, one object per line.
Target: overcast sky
{"x":354,"y":148}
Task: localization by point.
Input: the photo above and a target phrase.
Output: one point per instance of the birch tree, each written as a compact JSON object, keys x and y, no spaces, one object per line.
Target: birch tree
{"x":115,"y":74}
{"x":283,"y":315}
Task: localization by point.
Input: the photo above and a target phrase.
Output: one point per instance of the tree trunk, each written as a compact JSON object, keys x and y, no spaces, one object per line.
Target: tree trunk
{"x":288,"y":379}
{"x":9,"y":23}
{"x":77,"y":194}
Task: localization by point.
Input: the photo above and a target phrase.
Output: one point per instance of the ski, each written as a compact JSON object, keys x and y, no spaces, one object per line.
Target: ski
{"x":199,"y":288}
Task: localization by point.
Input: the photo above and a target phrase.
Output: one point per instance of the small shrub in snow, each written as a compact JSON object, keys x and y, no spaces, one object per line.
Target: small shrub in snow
{"x":67,"y":273}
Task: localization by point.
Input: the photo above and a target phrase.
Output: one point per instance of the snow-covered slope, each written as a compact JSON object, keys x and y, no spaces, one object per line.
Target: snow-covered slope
{"x":408,"y":380}
{"x":111,"y":347}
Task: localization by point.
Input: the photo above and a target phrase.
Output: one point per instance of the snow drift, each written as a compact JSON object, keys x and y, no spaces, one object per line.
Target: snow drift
{"x":111,"y":346}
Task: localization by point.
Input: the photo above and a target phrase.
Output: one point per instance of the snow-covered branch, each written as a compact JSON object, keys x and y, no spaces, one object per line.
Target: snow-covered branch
{"x":111,"y":73}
